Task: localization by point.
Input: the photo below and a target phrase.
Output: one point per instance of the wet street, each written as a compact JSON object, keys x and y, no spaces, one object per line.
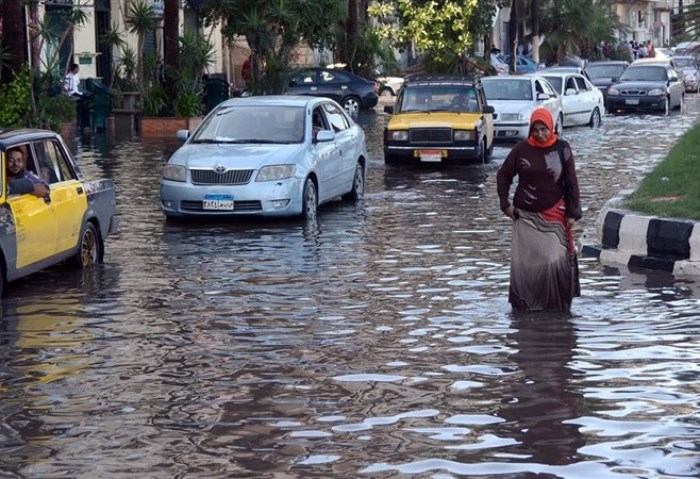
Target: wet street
{"x":378,"y":345}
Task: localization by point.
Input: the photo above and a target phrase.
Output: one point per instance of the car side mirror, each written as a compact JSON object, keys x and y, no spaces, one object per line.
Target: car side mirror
{"x":182,"y":135}
{"x":614,"y":79}
{"x":542,"y":96}
{"x":389,"y":109}
{"x":293,"y":83}
{"x":325,"y":135}
{"x":570,"y":91}
{"x":489,"y":109}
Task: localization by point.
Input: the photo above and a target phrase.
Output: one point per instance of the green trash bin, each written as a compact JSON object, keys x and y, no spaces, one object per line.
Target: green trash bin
{"x":99,"y":102}
{"x":215,"y":91}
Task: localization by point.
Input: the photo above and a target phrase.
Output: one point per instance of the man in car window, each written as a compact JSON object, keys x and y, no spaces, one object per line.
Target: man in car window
{"x":17,"y":170}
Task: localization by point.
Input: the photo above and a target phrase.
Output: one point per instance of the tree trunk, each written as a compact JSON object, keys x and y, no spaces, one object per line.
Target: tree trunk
{"x":513,"y":34}
{"x":13,"y":38}
{"x":171,"y":35}
{"x":535,"y":13}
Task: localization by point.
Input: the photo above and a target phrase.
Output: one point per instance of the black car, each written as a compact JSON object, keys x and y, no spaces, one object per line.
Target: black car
{"x":647,"y":86}
{"x":352,"y":91}
{"x":603,"y":73}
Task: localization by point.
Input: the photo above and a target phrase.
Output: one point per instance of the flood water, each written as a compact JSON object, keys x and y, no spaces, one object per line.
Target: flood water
{"x":378,"y":345}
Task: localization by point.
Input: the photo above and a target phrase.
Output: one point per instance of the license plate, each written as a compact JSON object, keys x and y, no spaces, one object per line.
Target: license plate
{"x":218,"y":202}
{"x":430,"y":156}
{"x":632,"y":101}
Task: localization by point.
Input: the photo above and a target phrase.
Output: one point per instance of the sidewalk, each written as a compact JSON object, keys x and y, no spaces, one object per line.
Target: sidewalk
{"x":649,"y":242}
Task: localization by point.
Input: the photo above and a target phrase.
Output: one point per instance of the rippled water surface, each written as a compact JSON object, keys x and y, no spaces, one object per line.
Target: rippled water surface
{"x":379,"y":344}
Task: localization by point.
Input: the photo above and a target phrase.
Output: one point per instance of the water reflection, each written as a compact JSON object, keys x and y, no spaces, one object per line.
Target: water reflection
{"x":546,"y":397}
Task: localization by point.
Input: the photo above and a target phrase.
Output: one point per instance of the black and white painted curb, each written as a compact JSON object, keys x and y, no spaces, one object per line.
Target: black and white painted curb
{"x":648,"y":242}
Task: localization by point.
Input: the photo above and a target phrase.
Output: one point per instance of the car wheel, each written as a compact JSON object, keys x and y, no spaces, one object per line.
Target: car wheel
{"x":2,"y":280}
{"x":483,"y":155}
{"x":358,"y":185}
{"x":89,"y":249}
{"x":352,"y":105}
{"x":681,"y":103}
{"x":309,"y":201}
{"x":667,"y":107}
{"x":559,"y":127}
{"x":595,"y":119}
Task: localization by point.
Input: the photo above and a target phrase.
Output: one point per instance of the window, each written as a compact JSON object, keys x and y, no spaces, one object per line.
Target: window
{"x":336,"y":117}
{"x":305,"y":76}
{"x":54,"y":165}
{"x":582,"y":84}
{"x":329,"y":76}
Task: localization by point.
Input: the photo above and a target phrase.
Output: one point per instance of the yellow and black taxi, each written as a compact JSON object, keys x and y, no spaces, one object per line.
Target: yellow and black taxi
{"x":439,"y":119}
{"x":70,"y":222}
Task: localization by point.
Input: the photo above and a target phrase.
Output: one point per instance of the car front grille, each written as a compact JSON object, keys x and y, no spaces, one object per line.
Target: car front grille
{"x":633,"y":92}
{"x":428,"y":136}
{"x":250,"y":206}
{"x":228,"y":177}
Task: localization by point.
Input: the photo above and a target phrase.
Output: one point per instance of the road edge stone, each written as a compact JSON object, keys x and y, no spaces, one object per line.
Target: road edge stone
{"x":644,"y":241}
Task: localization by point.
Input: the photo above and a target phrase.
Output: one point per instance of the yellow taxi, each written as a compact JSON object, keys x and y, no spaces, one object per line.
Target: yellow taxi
{"x":439,"y":119}
{"x":70,"y":222}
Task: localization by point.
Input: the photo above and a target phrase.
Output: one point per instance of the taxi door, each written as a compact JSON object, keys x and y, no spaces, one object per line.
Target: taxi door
{"x":487,"y":118}
{"x":35,"y":226}
{"x":68,"y":195}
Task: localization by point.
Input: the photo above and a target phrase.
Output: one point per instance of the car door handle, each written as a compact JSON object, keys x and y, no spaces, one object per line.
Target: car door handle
{"x":313,"y":88}
{"x":79,"y":190}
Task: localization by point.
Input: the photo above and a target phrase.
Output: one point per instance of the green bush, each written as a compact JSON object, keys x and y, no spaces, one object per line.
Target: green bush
{"x":54,"y":111}
{"x":15,"y":100}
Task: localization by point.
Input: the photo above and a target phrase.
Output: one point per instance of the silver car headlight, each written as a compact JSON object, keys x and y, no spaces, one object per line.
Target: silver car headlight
{"x":613,"y":91}
{"x":656,"y":92}
{"x":275,"y":172}
{"x":400,"y":135}
{"x":465,"y":135}
{"x":174,"y":173}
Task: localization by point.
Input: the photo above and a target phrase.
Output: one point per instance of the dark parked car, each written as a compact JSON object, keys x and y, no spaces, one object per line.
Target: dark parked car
{"x":352,"y":91}
{"x":603,"y":73}
{"x":647,"y":86}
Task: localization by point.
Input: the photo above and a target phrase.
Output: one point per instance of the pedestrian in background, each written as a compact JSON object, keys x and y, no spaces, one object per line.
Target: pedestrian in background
{"x":71,"y":83}
{"x":544,"y":267}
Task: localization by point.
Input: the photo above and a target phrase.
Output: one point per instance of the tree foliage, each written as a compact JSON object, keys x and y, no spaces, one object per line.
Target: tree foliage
{"x":440,"y":28}
{"x":273,"y":28}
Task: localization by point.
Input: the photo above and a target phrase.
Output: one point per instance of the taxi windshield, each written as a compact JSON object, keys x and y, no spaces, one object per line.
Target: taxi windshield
{"x":437,"y":98}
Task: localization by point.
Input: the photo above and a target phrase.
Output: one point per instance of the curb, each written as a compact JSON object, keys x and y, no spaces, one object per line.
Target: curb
{"x":646,"y":242}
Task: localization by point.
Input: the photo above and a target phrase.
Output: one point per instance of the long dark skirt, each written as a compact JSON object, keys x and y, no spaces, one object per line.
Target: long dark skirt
{"x":544,"y":267}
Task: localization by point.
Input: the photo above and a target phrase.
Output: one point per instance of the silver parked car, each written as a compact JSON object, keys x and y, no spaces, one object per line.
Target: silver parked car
{"x":514,"y":98}
{"x":266,"y":156}
{"x":688,"y":64}
{"x":581,"y":102}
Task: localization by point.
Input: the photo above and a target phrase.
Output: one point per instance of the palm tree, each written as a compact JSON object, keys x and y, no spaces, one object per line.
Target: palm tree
{"x":112,"y":39}
{"x":141,"y":21}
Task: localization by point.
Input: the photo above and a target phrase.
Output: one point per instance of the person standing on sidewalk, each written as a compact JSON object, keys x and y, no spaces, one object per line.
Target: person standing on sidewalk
{"x":544,"y":268}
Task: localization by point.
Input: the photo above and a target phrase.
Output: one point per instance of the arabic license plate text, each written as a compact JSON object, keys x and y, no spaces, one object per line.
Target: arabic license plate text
{"x":430,"y":156}
{"x":632,"y":101}
{"x":217,"y":202}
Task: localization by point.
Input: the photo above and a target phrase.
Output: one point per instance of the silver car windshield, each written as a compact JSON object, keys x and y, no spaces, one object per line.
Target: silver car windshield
{"x":253,"y":124}
{"x":511,"y":89}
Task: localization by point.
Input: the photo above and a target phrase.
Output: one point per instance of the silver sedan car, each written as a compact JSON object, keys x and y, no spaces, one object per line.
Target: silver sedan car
{"x":266,"y":156}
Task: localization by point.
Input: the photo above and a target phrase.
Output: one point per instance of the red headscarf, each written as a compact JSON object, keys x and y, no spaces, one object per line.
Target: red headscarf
{"x":542,"y":115}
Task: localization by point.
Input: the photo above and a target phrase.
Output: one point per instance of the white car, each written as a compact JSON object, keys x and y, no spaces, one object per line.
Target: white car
{"x":514,"y":97}
{"x":581,"y":102}
{"x":266,"y":156}
{"x":390,"y":85}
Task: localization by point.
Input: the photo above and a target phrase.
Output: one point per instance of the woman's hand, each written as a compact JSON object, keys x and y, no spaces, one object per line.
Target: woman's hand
{"x":511,"y":212}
